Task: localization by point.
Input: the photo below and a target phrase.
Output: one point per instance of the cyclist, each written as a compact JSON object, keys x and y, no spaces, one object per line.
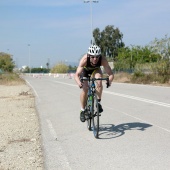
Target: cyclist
{"x":90,"y":64}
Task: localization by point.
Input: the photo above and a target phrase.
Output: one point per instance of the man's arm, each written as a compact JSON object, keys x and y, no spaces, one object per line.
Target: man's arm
{"x":108,"y":70}
{"x":79,"y":70}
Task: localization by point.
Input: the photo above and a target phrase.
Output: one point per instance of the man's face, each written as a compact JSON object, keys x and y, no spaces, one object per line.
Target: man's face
{"x":94,"y":59}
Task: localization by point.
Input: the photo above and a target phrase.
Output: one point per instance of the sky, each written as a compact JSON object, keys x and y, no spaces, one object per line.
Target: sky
{"x":41,"y":31}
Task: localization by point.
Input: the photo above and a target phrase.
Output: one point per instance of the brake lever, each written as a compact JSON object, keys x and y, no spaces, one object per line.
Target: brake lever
{"x":107,"y":83}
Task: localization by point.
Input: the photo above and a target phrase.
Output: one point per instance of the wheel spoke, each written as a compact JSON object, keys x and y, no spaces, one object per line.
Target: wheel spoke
{"x":88,"y":118}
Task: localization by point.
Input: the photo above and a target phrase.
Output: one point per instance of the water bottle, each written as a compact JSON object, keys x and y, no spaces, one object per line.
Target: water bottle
{"x":90,"y":100}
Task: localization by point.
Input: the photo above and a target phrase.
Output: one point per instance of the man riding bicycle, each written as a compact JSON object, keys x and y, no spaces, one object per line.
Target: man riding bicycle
{"x":90,"y":64}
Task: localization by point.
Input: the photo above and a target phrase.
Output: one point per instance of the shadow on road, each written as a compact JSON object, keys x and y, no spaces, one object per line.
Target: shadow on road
{"x":109,"y":131}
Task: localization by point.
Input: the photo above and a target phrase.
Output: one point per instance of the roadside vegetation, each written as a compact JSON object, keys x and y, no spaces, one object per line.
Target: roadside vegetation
{"x":10,"y":79}
{"x":7,"y":76}
{"x":148,"y":64}
{"x":60,"y":68}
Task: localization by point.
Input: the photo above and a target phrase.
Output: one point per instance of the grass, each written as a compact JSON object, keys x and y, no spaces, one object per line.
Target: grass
{"x":11,"y":79}
{"x":122,"y":77}
{"x":141,"y":78}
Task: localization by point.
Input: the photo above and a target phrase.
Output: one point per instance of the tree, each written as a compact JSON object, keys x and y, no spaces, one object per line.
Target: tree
{"x":40,"y":70}
{"x":143,"y":55}
{"x":161,"y":46}
{"x":128,"y":58}
{"x":109,"y":40}
{"x":123,"y":60}
{"x":6,"y":62}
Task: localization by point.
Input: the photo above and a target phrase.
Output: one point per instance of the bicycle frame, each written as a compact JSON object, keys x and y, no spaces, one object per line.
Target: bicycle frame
{"x":92,"y":104}
{"x":91,"y":93}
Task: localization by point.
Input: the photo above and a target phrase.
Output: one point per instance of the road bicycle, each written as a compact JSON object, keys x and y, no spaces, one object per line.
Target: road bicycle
{"x":92,"y":107}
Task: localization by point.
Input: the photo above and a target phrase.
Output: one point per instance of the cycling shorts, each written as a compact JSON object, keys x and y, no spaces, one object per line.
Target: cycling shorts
{"x":87,"y":73}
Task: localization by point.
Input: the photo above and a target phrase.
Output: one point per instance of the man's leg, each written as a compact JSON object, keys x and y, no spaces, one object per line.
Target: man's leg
{"x":83,"y":95}
{"x":99,"y":88}
{"x":83,"y":99}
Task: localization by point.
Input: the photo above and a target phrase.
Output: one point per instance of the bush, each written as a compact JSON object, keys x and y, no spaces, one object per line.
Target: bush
{"x":10,"y":79}
{"x":139,"y":77}
{"x":161,"y":70}
{"x":60,"y":68}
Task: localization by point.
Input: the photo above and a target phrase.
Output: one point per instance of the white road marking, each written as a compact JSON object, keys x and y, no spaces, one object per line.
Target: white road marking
{"x":167,"y":130}
{"x":127,"y":96}
{"x":139,"y":99}
{"x":66,"y":83}
{"x":151,"y":86}
{"x":52,"y":131}
{"x":60,"y":157}
{"x":33,"y":90}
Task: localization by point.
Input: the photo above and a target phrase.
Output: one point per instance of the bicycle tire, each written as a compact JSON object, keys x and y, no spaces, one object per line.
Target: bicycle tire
{"x":88,"y":116}
{"x":88,"y":119}
{"x":95,"y":116}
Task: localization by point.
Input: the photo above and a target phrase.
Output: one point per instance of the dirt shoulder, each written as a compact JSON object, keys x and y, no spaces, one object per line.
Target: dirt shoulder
{"x":20,"y":139}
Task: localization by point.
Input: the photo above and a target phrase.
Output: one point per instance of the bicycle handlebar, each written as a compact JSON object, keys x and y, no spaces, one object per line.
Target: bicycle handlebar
{"x":94,"y":79}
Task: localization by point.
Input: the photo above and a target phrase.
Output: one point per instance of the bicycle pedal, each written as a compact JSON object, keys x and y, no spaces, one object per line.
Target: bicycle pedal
{"x":96,"y":114}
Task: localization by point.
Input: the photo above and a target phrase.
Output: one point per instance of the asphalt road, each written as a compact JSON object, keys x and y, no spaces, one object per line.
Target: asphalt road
{"x":134,"y":127}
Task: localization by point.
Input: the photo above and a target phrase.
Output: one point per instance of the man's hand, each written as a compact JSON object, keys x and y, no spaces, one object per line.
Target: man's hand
{"x":107,"y":83}
{"x":81,"y":85}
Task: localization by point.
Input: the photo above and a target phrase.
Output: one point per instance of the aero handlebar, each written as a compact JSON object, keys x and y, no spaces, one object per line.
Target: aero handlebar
{"x":95,"y":79}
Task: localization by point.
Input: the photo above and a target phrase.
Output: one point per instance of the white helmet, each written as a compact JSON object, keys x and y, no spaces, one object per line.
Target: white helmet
{"x":94,"y":50}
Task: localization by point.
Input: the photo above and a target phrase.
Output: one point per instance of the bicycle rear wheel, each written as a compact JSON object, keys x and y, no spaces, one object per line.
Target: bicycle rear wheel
{"x":95,"y":117}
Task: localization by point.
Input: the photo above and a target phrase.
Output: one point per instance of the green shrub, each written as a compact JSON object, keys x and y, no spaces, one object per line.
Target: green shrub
{"x":6,"y":62}
{"x":60,"y":68}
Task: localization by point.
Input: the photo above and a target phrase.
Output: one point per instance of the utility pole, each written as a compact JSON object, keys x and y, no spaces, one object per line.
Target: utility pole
{"x":91,"y":16}
{"x":29,"y":58}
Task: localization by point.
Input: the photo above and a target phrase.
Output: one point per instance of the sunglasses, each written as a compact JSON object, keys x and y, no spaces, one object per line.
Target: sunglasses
{"x":95,"y":56}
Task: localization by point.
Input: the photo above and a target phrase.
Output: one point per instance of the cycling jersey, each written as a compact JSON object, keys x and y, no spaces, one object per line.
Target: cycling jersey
{"x":89,"y":68}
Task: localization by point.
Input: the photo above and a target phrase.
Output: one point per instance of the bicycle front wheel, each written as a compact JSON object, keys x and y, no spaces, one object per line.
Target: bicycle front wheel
{"x":88,"y":118}
{"x":88,"y":115}
{"x":95,"y":117}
